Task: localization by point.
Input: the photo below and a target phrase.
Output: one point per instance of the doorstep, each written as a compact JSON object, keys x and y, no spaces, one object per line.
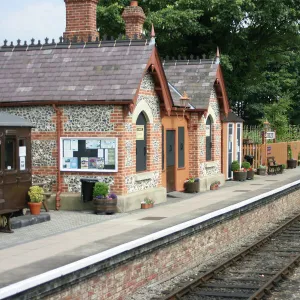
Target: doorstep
{"x":23,"y":221}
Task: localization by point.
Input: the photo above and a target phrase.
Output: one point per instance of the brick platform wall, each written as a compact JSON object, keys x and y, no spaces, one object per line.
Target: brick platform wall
{"x":167,"y":261}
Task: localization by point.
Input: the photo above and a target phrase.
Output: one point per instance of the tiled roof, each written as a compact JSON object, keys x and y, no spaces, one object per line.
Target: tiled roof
{"x":232,"y":117}
{"x":196,"y":77}
{"x":74,"y":72}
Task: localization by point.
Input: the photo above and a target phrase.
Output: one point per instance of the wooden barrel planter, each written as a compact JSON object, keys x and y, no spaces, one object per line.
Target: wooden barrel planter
{"x":291,"y":163}
{"x":250,"y":174}
{"x":191,"y":187}
{"x":105,"y":205}
{"x":261,"y":172}
{"x":239,"y":176}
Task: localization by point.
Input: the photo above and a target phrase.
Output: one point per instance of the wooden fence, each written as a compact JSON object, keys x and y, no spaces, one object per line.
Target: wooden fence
{"x":279,"y":150}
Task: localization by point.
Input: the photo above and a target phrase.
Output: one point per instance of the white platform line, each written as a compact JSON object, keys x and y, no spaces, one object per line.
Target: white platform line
{"x":26,"y":284}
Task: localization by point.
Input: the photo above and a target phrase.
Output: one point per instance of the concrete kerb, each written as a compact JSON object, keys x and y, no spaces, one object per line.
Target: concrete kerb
{"x":27,"y":284}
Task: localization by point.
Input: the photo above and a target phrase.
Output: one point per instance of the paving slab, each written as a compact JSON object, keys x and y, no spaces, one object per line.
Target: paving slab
{"x":70,"y":236}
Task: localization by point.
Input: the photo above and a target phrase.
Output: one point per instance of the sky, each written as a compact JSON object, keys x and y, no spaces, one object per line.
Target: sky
{"x":27,"y":19}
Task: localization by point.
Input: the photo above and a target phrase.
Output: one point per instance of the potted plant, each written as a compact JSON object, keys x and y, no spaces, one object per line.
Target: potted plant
{"x":215,"y":185}
{"x":250,"y":171}
{"x":238,"y":173}
{"x":291,"y":163}
{"x":191,"y":185}
{"x":36,"y":195}
{"x":147,"y":203}
{"x":104,"y":202}
{"x":261,"y":170}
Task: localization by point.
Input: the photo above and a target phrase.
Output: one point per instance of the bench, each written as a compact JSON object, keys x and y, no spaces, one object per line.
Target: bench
{"x":273,"y":167}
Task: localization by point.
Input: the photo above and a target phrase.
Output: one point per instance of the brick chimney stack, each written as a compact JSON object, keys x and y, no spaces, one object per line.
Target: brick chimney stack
{"x":134,"y":18}
{"x":81,"y":19}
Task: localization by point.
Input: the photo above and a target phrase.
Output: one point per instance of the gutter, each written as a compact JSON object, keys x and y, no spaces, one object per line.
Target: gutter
{"x":58,"y":135}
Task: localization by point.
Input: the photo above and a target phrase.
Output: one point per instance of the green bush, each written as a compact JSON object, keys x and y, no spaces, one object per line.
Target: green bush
{"x":100,"y":190}
{"x":283,"y":166}
{"x":246,"y":165}
{"x":36,"y":194}
{"x":235,"y":166}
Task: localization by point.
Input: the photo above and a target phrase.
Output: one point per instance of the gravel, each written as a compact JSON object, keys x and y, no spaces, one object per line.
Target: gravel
{"x":161,"y":288}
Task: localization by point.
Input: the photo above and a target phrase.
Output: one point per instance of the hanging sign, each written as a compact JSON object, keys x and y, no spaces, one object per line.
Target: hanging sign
{"x":140,"y":136}
{"x":270,"y":135}
{"x":22,"y":163}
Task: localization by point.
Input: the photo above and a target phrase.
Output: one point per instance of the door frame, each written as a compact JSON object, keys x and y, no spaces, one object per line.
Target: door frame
{"x":241,"y":140}
{"x":232,"y":146}
{"x":210,"y":137}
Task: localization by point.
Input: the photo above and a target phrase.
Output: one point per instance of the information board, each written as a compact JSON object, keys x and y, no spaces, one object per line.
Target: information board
{"x":89,"y":154}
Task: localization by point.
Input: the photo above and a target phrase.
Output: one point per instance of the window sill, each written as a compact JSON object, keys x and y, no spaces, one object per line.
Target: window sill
{"x":210,"y":164}
{"x":179,"y":169}
{"x":143,"y":176}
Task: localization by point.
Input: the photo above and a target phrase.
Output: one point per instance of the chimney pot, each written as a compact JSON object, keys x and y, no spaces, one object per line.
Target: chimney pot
{"x":133,"y":3}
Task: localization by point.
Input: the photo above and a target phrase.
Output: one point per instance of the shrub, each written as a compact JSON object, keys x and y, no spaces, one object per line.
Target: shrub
{"x":100,"y":190}
{"x":36,"y":194}
{"x":246,"y":165}
{"x":235,"y":166}
{"x":283,"y":166}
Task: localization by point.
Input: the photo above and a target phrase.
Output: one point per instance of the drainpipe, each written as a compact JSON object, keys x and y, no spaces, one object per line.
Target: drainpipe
{"x":58,"y":132}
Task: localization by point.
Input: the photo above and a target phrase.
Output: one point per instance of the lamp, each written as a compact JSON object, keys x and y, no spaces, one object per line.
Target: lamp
{"x":184,"y":101}
{"x":266,"y":125}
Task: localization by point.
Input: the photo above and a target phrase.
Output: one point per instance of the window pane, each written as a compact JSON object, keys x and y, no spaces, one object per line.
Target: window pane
{"x":10,"y":153}
{"x":180,"y":147}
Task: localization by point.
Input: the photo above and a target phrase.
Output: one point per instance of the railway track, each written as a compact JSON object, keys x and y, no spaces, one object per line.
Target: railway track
{"x":252,"y":273}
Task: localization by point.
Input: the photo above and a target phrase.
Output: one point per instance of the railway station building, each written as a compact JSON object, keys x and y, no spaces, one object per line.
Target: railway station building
{"x":115,"y":111}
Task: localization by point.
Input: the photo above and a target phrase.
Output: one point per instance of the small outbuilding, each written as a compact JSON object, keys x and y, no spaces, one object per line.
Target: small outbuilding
{"x":15,"y":166}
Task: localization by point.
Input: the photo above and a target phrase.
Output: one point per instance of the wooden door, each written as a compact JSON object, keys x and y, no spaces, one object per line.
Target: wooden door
{"x":141,"y":143}
{"x":208,"y":139}
{"x":170,"y":149}
{"x":17,"y":168}
{"x":1,"y":171}
{"x":24,"y":167}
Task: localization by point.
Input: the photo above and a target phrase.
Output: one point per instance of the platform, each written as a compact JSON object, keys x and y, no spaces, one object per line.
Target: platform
{"x":77,"y":247}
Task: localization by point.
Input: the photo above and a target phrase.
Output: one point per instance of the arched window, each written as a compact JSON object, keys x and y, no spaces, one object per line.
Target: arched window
{"x":141,"y":143}
{"x":209,"y":138}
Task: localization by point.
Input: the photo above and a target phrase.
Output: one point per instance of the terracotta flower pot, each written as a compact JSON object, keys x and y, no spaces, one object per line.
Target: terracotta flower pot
{"x":214,"y":187}
{"x":146,"y":206}
{"x":35,"y":207}
{"x":105,"y":205}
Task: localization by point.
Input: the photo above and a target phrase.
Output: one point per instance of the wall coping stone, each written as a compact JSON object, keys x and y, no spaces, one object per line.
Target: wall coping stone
{"x":143,"y":176}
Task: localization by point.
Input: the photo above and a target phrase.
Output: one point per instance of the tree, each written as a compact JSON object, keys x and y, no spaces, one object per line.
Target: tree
{"x":259,"y":42}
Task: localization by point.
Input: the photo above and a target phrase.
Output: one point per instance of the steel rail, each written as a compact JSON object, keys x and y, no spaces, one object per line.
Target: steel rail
{"x":202,"y":279}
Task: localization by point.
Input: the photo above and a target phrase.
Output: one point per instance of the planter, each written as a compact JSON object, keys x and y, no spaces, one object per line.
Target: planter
{"x":239,"y":176}
{"x":261,"y":172}
{"x":191,"y":187}
{"x":105,"y":205}
{"x":146,"y":206}
{"x":250,"y":174}
{"x":214,"y":187}
{"x":291,"y":163}
{"x":35,"y":207}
